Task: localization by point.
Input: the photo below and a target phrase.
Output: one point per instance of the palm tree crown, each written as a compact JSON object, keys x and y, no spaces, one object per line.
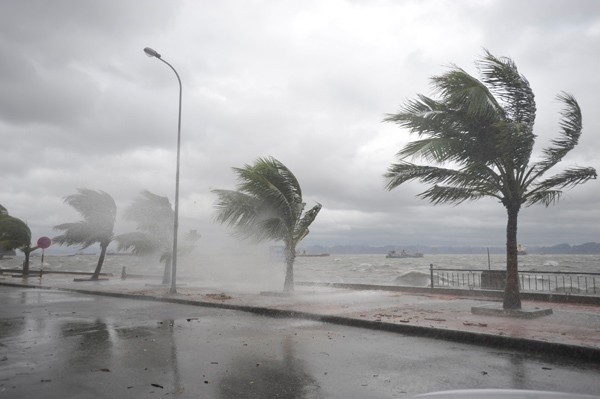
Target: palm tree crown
{"x":479,"y":133}
{"x":153,"y":216}
{"x":99,"y":212}
{"x":267,"y":205}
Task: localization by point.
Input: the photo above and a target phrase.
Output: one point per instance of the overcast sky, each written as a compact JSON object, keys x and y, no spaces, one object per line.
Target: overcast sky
{"x":307,"y":82}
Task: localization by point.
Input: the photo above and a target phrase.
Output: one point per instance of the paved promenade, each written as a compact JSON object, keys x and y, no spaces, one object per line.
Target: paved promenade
{"x":571,"y":329}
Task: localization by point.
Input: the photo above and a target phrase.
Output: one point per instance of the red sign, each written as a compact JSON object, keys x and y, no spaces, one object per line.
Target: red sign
{"x":44,"y":242}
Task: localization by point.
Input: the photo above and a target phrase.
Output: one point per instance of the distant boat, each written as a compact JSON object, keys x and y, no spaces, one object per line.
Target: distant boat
{"x":521,"y":250}
{"x":304,"y":254}
{"x":404,"y":254}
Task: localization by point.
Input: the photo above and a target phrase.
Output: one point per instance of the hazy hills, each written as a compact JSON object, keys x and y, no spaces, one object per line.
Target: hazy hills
{"x":588,"y":248}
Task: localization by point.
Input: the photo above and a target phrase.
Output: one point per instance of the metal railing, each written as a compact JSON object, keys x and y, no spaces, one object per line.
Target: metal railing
{"x":580,"y":283}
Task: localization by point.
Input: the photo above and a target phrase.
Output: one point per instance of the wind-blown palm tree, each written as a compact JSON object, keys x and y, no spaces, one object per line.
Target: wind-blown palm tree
{"x":267,"y":206}
{"x":153,"y":215}
{"x":15,"y":234}
{"x":479,"y":133}
{"x":99,"y":212}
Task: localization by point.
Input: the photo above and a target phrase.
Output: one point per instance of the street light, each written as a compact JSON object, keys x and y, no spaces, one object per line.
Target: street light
{"x":152,"y":53}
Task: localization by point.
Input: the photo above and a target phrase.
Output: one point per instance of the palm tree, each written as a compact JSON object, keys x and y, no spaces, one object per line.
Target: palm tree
{"x":479,"y":133}
{"x":267,"y":206}
{"x":99,"y":212}
{"x":15,"y":234}
{"x":153,"y":215}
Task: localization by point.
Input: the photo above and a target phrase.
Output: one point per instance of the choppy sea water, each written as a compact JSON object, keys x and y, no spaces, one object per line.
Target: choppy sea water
{"x":356,"y":269}
{"x":377,"y":269}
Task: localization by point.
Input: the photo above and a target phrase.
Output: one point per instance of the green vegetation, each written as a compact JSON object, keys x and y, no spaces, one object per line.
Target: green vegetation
{"x":267,"y":206}
{"x":99,"y":212}
{"x":479,"y":133}
{"x":15,"y":234}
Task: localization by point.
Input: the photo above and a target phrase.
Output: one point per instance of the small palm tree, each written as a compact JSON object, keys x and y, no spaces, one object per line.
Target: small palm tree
{"x":267,"y":206}
{"x":153,"y":215}
{"x":99,"y":212}
{"x":480,"y":133}
{"x":15,"y":234}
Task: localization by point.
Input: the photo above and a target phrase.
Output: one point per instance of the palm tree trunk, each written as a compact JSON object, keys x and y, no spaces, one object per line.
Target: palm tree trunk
{"x":167,"y":271}
{"x":26,"y":264}
{"x":96,"y":274}
{"x":290,"y":256}
{"x":512,"y":298}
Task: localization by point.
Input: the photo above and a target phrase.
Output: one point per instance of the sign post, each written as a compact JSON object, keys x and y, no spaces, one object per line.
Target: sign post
{"x":43,"y":242}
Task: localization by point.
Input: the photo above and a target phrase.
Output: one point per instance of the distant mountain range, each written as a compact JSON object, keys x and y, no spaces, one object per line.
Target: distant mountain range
{"x":588,"y":248}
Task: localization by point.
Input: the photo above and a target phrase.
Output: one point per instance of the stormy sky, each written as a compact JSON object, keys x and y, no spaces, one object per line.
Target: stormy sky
{"x":307,"y":82}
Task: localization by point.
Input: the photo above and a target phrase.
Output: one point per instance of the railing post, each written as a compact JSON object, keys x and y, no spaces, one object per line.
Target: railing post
{"x":431,"y":273}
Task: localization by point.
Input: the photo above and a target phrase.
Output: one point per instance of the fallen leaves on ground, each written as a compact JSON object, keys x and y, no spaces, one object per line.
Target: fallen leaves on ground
{"x":467,"y":323}
{"x":220,"y":297}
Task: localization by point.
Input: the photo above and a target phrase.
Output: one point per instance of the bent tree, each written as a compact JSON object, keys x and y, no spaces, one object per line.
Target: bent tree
{"x":153,"y":215}
{"x":267,"y":205}
{"x":15,"y":234}
{"x":99,"y":212}
{"x":477,"y":140}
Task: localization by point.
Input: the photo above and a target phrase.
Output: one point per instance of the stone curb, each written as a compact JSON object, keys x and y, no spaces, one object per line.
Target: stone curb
{"x":468,"y":337}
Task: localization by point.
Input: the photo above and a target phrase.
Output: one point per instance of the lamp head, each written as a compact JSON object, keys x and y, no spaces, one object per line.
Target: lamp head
{"x":151,"y":53}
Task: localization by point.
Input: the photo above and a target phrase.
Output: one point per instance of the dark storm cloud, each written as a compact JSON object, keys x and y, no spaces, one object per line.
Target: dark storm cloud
{"x":306,"y":82}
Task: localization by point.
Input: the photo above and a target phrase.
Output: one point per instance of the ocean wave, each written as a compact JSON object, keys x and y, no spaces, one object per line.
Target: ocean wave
{"x":413,"y":278}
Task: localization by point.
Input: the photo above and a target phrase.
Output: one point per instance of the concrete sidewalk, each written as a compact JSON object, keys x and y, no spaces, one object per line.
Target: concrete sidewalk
{"x":571,"y":330}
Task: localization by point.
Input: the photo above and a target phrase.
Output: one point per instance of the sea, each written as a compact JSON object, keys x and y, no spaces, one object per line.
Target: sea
{"x":353,"y":269}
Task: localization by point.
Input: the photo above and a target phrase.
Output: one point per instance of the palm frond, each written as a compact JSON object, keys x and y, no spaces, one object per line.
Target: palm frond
{"x":568,"y":178}
{"x":433,"y":149}
{"x":78,"y":233}
{"x":440,"y":194}
{"x":460,"y":90}
{"x":570,"y":126}
{"x":544,"y":197}
{"x":403,"y":172}
{"x":138,"y":242}
{"x":235,"y":208}
{"x":153,"y":215}
{"x":508,"y":85}
{"x":422,"y":116}
{"x":93,"y":205}
{"x":301,"y":229}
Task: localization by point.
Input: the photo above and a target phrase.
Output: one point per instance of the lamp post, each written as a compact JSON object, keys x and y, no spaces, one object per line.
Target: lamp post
{"x":152,"y":53}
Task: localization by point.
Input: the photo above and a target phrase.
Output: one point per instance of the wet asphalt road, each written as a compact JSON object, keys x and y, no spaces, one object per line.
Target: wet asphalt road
{"x":64,"y":345}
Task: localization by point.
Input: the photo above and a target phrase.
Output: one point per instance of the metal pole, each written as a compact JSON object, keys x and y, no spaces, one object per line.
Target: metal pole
{"x":173,"y":289}
{"x":431,"y":274}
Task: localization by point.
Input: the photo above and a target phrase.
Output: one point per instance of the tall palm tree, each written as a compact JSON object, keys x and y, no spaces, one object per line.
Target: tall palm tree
{"x":15,"y":234}
{"x":267,"y":206}
{"x":99,"y":212}
{"x":479,"y":133}
{"x":153,"y":215}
